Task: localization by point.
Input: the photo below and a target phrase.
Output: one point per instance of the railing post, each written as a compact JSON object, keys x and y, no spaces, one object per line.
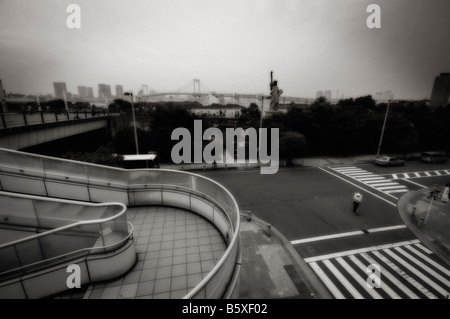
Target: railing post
{"x":42,"y":117}
{"x":68,"y":117}
{"x":3,"y":119}
{"x":25,"y":117}
{"x":56,"y":115}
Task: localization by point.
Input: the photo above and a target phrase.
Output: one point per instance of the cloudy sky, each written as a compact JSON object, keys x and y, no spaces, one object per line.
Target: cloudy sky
{"x":230,"y":45}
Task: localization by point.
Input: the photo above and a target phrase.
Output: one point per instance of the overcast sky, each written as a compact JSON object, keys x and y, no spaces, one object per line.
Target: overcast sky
{"x":230,"y":45}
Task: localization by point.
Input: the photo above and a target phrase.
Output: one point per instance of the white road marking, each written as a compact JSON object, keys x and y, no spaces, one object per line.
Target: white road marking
{"x":425,"y":249}
{"x":410,"y":181}
{"x":334,"y":290}
{"x":417,"y":174}
{"x":427,"y":269}
{"x":377,"y":196}
{"x":360,"y":250}
{"x":352,"y":233}
{"x":343,"y":280}
{"x":411,"y":280}
{"x":429,"y":260}
{"x":358,"y":278}
{"x":385,"y":272}
{"x":397,"y":191}
{"x":384,"y":286}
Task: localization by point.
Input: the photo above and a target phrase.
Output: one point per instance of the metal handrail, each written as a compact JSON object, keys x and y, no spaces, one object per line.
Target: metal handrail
{"x":64,"y":256}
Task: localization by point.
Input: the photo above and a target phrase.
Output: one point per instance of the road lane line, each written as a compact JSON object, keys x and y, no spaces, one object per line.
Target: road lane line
{"x":358,"y":278}
{"x":429,"y":260}
{"x":375,"y":230}
{"x":307,"y":240}
{"x":360,"y":250}
{"x":413,"y":270}
{"x":410,"y":181}
{"x":355,"y":293}
{"x":386,"y":273}
{"x":393,"y":204}
{"x":327,"y":281}
{"x":428,"y":270}
{"x":352,"y":233}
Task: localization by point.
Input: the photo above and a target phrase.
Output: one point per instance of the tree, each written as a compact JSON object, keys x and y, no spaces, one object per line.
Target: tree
{"x":292,"y":144}
{"x":250,"y":117}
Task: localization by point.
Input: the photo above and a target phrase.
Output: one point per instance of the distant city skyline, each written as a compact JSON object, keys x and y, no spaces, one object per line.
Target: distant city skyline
{"x":231,"y":46}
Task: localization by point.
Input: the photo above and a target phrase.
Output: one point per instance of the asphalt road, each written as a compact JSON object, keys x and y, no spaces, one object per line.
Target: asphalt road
{"x":312,"y":207}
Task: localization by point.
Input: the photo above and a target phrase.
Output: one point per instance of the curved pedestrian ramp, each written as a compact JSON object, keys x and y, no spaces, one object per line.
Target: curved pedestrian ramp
{"x":49,"y":220}
{"x":40,"y":237}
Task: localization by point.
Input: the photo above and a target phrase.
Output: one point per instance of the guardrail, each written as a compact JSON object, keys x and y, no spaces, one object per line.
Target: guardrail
{"x":10,"y":120}
{"x":47,"y":176}
{"x":28,"y":254}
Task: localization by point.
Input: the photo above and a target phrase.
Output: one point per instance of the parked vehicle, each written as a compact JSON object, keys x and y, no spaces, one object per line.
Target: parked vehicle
{"x":434,"y":157}
{"x":388,"y":161}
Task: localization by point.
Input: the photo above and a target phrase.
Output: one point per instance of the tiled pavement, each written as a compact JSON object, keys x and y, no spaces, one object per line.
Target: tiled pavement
{"x":176,"y":250}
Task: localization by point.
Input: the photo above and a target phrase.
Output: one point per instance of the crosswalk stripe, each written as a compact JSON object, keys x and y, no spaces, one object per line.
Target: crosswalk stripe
{"x":343,"y":280}
{"x":386,"y":273}
{"x":395,"y":176}
{"x":411,"y":280}
{"x":429,"y":260}
{"x":328,"y":283}
{"x":438,"y":173}
{"x":427,"y":173}
{"x":417,"y":174}
{"x":397,"y":191}
{"x":371,"y":178}
{"x":447,"y":171}
{"x":427,"y":269}
{"x":358,"y":278}
{"x":405,"y":175}
{"x":392,"y":187}
{"x":383,"y":286}
{"x":425,"y":249}
{"x":381,"y":184}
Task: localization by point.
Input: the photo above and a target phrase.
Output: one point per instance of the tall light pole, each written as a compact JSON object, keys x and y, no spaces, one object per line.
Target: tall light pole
{"x":382,"y":130}
{"x":134,"y":121}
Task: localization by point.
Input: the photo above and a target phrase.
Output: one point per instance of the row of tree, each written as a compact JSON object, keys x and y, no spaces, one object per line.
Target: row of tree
{"x":351,"y":127}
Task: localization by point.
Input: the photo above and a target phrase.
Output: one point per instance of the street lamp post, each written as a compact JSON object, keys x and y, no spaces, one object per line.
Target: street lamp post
{"x":134,"y":121}
{"x":382,"y":130}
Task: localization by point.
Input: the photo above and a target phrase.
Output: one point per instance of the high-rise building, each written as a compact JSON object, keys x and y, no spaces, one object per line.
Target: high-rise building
{"x":327,"y":94}
{"x":82,"y":91}
{"x":319,"y":94}
{"x":119,"y":90}
{"x":60,"y":89}
{"x":441,"y":90}
{"x":90,"y":92}
{"x":104,"y":90}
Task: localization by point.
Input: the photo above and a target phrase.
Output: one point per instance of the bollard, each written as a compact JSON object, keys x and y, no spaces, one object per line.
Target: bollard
{"x":421,"y":222}
{"x":413,"y":213}
{"x":269,"y":230}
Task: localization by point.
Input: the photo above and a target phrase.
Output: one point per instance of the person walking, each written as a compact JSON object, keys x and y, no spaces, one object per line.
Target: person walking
{"x":357,"y":198}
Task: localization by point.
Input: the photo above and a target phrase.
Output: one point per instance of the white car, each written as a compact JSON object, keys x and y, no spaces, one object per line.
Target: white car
{"x":388,"y":161}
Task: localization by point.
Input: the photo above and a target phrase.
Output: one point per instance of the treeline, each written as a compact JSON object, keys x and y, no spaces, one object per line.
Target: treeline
{"x":354,"y":126}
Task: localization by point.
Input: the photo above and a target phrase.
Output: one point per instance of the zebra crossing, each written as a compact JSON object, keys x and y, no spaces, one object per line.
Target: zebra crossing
{"x":442,"y":172}
{"x":408,"y":270}
{"x":378,"y":182}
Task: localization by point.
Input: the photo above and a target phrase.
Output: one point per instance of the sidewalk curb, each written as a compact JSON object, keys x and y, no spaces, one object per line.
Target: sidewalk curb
{"x":312,"y":282}
{"x":402,"y":209}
